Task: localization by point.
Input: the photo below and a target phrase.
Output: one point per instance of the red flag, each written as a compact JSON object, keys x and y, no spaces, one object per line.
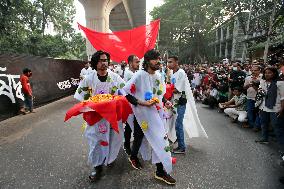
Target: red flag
{"x":121,"y":44}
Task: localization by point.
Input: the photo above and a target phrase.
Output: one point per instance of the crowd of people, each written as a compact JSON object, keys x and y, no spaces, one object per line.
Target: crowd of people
{"x":157,"y":122}
{"x":251,"y":93}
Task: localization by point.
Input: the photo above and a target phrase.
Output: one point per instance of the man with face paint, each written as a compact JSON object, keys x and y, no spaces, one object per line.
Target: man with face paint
{"x":104,"y":142}
{"x":27,"y":90}
{"x":145,"y":86}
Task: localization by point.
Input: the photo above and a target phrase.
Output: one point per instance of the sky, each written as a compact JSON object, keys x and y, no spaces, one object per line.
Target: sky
{"x":80,"y":13}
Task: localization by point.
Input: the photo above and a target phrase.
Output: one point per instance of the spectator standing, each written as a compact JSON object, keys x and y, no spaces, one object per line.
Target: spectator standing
{"x":27,"y":90}
{"x":251,"y":94}
{"x":237,"y":77}
{"x":272,"y":105}
{"x":85,"y":71}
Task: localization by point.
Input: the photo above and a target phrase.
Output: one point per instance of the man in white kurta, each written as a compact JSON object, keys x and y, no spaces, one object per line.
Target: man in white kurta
{"x":104,"y":142}
{"x":85,"y":71}
{"x":144,"y":86}
{"x":133,"y":63}
{"x":185,"y":115}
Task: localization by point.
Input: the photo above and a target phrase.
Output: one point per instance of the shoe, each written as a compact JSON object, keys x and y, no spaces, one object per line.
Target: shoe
{"x":246,"y":126}
{"x":22,"y":111}
{"x":127,"y":151}
{"x":165,"y":178}
{"x":262,"y":141}
{"x":178,"y":151}
{"x":135,"y":163}
{"x":235,"y":120}
{"x":111,"y":165}
{"x":96,"y":174}
{"x":256,"y":129}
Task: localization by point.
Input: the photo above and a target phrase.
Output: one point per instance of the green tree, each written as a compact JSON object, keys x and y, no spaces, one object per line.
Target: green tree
{"x":23,"y":25}
{"x":185,"y":25}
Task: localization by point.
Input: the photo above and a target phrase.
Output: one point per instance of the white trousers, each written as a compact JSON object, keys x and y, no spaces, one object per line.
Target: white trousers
{"x":233,"y":113}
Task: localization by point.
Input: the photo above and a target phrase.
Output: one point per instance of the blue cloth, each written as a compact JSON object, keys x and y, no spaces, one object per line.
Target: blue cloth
{"x":28,"y":102}
{"x":250,"y":111}
{"x":267,"y":118}
{"x":271,"y":95}
{"x":280,"y":132}
{"x":179,"y":126}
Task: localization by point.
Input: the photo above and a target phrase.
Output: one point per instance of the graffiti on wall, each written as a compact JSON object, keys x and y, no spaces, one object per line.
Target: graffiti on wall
{"x":12,"y":84}
{"x":67,"y":84}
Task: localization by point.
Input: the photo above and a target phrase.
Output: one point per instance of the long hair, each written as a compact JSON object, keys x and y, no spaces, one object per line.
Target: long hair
{"x":96,"y":58}
{"x":150,"y":55}
{"x":273,"y":70}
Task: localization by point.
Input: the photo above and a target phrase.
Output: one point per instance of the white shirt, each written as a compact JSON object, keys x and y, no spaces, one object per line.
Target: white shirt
{"x":85,"y":72}
{"x":280,"y":96}
{"x":251,"y":92}
{"x":214,"y":93}
{"x":196,"y":78}
{"x":128,"y":74}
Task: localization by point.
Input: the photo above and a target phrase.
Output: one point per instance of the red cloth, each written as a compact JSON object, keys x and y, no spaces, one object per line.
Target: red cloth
{"x":117,"y":109}
{"x":26,"y":87}
{"x":121,"y":44}
{"x":169,"y":91}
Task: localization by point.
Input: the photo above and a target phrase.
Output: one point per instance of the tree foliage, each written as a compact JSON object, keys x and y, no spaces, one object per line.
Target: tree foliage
{"x":187,"y":25}
{"x":24,"y":24}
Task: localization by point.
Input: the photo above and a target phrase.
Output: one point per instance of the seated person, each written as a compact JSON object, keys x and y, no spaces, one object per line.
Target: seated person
{"x":236,"y":107}
{"x":211,"y":97}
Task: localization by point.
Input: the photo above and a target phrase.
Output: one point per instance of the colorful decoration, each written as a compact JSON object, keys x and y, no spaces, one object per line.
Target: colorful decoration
{"x":83,"y":127}
{"x":101,"y":98}
{"x":102,"y":128}
{"x":157,"y":82}
{"x":155,"y":99}
{"x":108,"y":79}
{"x":158,"y":107}
{"x":167,"y":148}
{"x":160,"y":92}
{"x":117,"y":109}
{"x":154,"y":90}
{"x":113,"y":90}
{"x":133,"y":89}
{"x":169,"y":91}
{"x":148,"y":95}
{"x":174,"y":160}
{"x":161,"y":87}
{"x":144,"y":125}
{"x":101,"y":92}
{"x":121,"y":85}
{"x":104,"y":143}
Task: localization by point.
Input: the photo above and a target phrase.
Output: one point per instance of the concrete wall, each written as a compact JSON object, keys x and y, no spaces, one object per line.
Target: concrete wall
{"x":52,"y":79}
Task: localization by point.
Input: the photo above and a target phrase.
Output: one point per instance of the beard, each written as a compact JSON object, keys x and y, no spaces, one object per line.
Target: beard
{"x":155,"y":67}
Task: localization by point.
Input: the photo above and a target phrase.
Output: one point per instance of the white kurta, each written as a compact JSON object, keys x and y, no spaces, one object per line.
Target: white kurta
{"x":84,"y":72}
{"x":191,"y":122}
{"x":101,"y":132}
{"x":128,"y":74}
{"x":149,"y":118}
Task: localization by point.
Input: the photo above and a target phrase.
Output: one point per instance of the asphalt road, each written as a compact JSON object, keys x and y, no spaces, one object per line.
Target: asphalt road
{"x":41,"y":151}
